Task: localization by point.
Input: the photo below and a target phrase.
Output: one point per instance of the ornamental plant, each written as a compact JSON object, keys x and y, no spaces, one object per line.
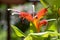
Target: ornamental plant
{"x":34,"y":31}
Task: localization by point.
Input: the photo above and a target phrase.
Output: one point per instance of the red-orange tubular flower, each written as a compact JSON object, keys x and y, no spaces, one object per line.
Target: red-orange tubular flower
{"x":36,"y":18}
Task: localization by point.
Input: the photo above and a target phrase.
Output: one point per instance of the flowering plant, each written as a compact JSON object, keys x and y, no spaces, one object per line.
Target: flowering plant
{"x":35,"y":26}
{"x":36,"y":23}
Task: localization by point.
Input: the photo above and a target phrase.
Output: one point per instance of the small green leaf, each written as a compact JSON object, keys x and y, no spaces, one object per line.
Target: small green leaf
{"x":53,"y":27}
{"x":42,"y":34}
{"x":37,"y":37}
{"x":18,"y":32}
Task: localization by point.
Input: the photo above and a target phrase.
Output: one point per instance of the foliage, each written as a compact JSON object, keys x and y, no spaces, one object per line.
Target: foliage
{"x":37,"y":36}
{"x":17,"y":31}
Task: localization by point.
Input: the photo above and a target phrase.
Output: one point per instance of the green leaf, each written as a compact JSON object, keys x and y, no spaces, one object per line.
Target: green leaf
{"x":51,"y":2}
{"x":42,"y":35}
{"x":18,"y":32}
{"x":33,"y":36}
{"x":44,"y":3}
{"x":28,"y":38}
{"x":53,"y":27}
{"x":52,"y":34}
{"x":37,"y":37}
{"x":46,"y":34}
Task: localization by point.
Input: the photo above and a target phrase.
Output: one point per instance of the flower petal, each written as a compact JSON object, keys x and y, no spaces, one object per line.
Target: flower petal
{"x":35,"y":22}
{"x":41,"y":13}
{"x":44,"y":22}
{"x":41,"y":23}
{"x":26,"y":16}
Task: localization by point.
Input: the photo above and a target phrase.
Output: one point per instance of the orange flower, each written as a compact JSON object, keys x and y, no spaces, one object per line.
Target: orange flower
{"x":36,"y":18}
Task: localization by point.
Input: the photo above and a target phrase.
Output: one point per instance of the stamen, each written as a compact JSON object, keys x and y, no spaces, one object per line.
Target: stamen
{"x":14,"y":11}
{"x":33,"y":10}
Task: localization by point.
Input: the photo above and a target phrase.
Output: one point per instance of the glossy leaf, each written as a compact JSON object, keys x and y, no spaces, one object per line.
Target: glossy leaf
{"x":18,"y":32}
